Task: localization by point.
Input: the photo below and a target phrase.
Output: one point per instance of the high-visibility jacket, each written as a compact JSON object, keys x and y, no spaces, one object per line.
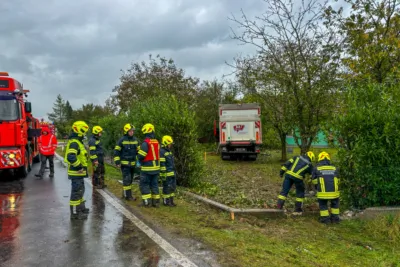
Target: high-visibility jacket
{"x":96,"y":150}
{"x":149,"y":155}
{"x":325,"y":177}
{"x":125,"y":152}
{"x":167,"y":166}
{"x":76,"y":156}
{"x":297,"y":167}
{"x":47,"y":143}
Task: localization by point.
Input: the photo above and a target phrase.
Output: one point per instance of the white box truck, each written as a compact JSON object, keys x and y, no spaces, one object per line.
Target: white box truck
{"x":240,"y":134}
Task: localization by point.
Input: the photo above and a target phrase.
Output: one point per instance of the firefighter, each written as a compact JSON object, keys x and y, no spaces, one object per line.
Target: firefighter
{"x":47,"y":147}
{"x":167,"y":169}
{"x":125,"y":155}
{"x":97,"y":157}
{"x":293,"y":172}
{"x":149,"y":158}
{"x":325,"y":178}
{"x":77,"y":158}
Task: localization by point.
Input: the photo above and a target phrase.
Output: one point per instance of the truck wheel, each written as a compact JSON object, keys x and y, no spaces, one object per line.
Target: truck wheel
{"x":225,"y":156}
{"x":253,"y":157}
{"x":24,"y":170}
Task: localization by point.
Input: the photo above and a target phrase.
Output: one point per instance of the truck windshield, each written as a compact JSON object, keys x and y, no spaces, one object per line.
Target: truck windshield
{"x":9,"y":110}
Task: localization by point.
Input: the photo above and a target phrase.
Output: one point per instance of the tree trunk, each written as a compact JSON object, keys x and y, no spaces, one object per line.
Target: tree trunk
{"x":283,"y":146}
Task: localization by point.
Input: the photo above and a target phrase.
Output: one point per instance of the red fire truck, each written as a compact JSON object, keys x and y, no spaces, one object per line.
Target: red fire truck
{"x":19,"y":130}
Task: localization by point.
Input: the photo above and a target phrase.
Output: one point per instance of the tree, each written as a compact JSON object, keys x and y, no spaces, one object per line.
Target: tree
{"x":58,"y":116}
{"x":91,"y":113}
{"x":368,"y":154}
{"x":209,"y":95}
{"x":297,"y":62}
{"x":68,"y":111}
{"x":145,"y":80}
{"x":371,"y":38}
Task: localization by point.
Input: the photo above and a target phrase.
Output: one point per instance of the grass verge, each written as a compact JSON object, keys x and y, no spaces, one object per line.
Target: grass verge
{"x":251,"y":241}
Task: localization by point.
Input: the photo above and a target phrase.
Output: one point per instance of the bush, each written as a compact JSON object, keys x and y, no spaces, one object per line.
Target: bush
{"x":368,"y":131}
{"x":172,"y":117}
{"x":113,"y":130}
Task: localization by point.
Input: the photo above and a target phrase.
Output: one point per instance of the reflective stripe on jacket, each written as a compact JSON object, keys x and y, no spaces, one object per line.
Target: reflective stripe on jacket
{"x":76,"y":157}
{"x":325,"y":178}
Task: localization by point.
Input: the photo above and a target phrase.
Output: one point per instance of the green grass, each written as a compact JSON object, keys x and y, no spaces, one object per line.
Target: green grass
{"x":251,"y":241}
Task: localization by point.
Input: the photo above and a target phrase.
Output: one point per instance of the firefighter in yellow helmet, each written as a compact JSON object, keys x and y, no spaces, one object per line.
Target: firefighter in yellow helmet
{"x":293,"y":172}
{"x":167,"y":171}
{"x":125,"y":155}
{"x":97,"y":157}
{"x":77,"y":159}
{"x":149,"y":158}
{"x":325,"y":178}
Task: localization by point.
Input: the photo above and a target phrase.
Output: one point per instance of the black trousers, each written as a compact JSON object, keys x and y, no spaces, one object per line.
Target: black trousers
{"x":43,"y":159}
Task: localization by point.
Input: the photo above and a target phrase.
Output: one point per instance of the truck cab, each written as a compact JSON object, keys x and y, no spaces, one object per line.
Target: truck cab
{"x":18,"y":129}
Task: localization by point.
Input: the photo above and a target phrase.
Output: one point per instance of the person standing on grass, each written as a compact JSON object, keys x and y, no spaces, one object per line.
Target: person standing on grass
{"x":47,"y":147}
{"x":97,"y":158}
{"x":76,"y":157}
{"x":149,"y":158}
{"x":293,"y":172}
{"x":325,"y":178}
{"x":125,"y":155}
{"x":167,"y":171}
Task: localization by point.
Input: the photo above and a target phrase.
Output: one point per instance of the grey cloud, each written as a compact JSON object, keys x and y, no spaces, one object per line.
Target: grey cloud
{"x":77,"y":48}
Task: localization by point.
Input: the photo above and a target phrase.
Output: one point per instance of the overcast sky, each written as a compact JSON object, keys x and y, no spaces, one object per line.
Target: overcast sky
{"x":77,"y":48}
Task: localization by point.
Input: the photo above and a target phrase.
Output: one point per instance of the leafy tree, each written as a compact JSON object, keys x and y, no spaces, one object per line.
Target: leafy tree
{"x":368,"y":154}
{"x":158,"y":77}
{"x":296,"y":66}
{"x":91,"y":113}
{"x":371,"y":38}
{"x":58,"y":116}
{"x":170,"y":116}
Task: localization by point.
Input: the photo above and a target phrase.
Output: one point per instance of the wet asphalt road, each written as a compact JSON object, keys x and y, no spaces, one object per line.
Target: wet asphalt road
{"x":36,"y":230}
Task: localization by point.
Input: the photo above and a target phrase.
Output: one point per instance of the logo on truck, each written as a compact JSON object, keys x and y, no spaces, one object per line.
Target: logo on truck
{"x":238,"y":127}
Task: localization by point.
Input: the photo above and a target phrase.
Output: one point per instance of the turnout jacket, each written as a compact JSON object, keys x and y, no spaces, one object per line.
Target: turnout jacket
{"x":95,"y":149}
{"x":324,"y":177}
{"x":149,"y":155}
{"x":167,"y":165}
{"x":125,"y":152}
{"x":296,"y":167}
{"x":76,"y":157}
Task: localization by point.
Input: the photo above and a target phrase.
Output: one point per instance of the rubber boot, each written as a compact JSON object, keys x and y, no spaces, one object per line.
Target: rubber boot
{"x":166,"y":201}
{"x":298,"y":210}
{"x":335,"y":218}
{"x":76,"y":214}
{"x":280,"y":204}
{"x":128,"y":195}
{"x":39,"y":176}
{"x":51,"y":175}
{"x":145,"y":203}
{"x":171,"y":202}
{"x":82,"y":208}
{"x":155,"y":203}
{"x":325,"y":219}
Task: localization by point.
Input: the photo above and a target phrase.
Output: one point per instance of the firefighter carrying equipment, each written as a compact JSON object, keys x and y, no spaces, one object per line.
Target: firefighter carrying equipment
{"x":148,"y":128}
{"x":96,"y":130}
{"x":76,"y":157}
{"x":128,"y":127}
{"x":80,"y":127}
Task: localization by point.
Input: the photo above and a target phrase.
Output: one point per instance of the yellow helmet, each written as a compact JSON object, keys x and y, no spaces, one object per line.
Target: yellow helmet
{"x":97,"y":130}
{"x":128,"y":127}
{"x":311,"y":155}
{"x":148,"y":128}
{"x":167,"y":140}
{"x":80,"y":127}
{"x":323,"y":155}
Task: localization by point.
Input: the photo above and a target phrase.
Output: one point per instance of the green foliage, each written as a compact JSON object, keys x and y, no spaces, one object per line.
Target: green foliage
{"x":368,"y":155}
{"x":173,"y":117}
{"x":145,"y":80}
{"x":113,"y":130}
{"x":59,"y":116}
{"x":387,"y":226}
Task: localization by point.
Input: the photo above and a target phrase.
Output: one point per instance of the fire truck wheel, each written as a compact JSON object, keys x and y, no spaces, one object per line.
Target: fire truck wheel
{"x":24,"y":170}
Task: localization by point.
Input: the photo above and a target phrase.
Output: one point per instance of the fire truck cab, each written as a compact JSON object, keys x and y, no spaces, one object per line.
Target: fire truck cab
{"x":19,"y":130}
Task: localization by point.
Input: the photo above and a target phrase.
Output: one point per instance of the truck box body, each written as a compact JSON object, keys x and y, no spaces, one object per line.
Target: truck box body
{"x":240,"y":130}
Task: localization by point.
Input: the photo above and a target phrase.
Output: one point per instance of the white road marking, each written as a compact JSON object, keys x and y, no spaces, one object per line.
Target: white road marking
{"x":164,"y":244}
